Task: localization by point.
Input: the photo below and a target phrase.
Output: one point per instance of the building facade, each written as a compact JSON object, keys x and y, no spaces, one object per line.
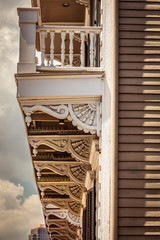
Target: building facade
{"x":88,"y":88}
{"x":39,"y":232}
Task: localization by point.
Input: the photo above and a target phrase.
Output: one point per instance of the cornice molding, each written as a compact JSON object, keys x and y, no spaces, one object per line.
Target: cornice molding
{"x":78,"y":146}
{"x":86,"y":116}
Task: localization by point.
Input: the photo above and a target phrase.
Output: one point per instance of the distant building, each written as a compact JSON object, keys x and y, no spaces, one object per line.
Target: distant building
{"x":39,"y":232}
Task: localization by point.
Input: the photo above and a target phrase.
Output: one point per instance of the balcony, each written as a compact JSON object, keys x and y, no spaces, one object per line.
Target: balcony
{"x":56,"y":47}
{"x":59,"y":90}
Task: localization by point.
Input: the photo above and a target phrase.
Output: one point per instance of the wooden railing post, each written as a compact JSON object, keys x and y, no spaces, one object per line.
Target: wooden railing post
{"x":43,"y":36}
{"x":82,"y":48}
{"x":71,"y":36}
{"x":92,"y":34}
{"x":63,"y":36}
{"x":52,"y":36}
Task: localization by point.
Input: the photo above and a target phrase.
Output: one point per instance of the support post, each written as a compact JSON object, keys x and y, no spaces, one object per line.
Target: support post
{"x":28,"y":18}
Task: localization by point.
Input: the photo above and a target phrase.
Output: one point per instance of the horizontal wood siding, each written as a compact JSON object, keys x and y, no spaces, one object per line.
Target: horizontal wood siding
{"x":139,"y":120}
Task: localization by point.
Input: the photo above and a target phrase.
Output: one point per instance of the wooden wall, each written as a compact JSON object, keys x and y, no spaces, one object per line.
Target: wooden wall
{"x":139,"y":120}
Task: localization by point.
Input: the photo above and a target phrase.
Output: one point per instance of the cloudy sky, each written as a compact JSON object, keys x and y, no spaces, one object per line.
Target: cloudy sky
{"x":20,"y":208}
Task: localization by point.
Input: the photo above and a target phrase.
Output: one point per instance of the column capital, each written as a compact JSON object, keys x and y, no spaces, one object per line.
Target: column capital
{"x":28,"y":15}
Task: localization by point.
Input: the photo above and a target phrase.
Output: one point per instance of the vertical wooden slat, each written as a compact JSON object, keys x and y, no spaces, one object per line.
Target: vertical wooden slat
{"x":114,"y":121}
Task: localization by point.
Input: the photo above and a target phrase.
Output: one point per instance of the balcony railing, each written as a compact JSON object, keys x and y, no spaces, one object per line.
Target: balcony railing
{"x":88,"y":38}
{"x":60,"y":47}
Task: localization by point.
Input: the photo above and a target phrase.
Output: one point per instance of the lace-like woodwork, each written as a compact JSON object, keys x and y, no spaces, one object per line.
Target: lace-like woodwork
{"x":78,"y":146}
{"x":74,"y":170}
{"x":72,"y":206}
{"x":63,"y":214}
{"x":74,"y":191}
{"x":86,"y":117}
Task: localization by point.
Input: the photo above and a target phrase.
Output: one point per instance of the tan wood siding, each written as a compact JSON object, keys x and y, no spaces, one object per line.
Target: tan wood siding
{"x":139,"y":120}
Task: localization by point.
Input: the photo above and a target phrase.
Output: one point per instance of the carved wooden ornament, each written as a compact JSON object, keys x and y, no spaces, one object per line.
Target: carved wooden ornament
{"x":86,"y":117}
{"x":63,"y":214}
{"x":74,"y":170}
{"x":78,"y":146}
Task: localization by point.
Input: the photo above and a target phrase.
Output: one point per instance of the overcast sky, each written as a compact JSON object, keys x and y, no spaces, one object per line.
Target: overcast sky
{"x":20,"y":208}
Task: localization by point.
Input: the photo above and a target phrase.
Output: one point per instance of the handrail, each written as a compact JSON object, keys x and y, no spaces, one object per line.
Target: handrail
{"x":76,"y":29}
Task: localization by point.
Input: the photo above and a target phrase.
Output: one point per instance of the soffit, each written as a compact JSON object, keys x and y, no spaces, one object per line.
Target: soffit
{"x":52,"y":11}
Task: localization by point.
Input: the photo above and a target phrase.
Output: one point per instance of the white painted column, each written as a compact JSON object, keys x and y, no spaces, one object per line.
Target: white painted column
{"x":71,"y":36}
{"x":82,"y":50}
{"x":28,"y":17}
{"x":52,"y":36}
{"x":105,"y":156}
{"x":63,"y":36}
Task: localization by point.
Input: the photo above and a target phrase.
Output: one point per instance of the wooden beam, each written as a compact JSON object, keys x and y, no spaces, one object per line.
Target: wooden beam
{"x":114,"y":121}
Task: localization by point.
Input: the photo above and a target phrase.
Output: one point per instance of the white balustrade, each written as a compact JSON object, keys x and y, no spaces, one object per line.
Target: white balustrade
{"x":71,"y":35}
{"x":52,"y":36}
{"x":67,"y":54}
{"x":92,"y":36}
{"x":63,"y":36}
{"x":43,"y":36}
{"x":82,"y":49}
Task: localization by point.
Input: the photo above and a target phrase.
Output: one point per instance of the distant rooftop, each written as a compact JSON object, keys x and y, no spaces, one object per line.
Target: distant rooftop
{"x":39,"y":226}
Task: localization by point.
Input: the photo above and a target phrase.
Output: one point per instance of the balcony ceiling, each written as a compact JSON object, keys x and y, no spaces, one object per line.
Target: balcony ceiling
{"x":53,"y":11}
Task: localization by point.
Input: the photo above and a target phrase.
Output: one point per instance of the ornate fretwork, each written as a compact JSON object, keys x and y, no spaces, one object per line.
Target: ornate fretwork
{"x":63,"y":214}
{"x":86,"y":116}
{"x":74,"y":191}
{"x":74,"y":170}
{"x":78,"y":146}
{"x":83,"y":2}
{"x":65,"y":203}
{"x":63,"y":233}
{"x":61,"y":223}
{"x":76,"y":59}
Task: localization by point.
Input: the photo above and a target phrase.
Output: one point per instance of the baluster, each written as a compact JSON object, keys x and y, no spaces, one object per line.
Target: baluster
{"x":71,"y":36}
{"x":91,"y":48}
{"x":82,"y":48}
{"x":47,"y":60}
{"x":52,"y":36}
{"x":63,"y":36}
{"x":43,"y":35}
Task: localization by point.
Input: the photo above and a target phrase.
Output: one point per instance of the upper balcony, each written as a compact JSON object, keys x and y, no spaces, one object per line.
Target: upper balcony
{"x":57,"y":35}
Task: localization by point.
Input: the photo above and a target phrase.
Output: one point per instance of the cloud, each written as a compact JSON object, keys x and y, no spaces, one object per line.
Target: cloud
{"x":15,"y":160}
{"x":17,"y":218}
{"x":20,"y":208}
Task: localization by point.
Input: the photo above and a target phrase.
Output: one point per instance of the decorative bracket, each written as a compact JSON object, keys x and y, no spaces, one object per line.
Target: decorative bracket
{"x":62,"y":223}
{"x":78,"y":146}
{"x":74,"y":191}
{"x":83,"y":2}
{"x":68,"y":204}
{"x":63,"y":214}
{"x":86,"y":116}
{"x":61,"y":233}
{"x":74,"y":170}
